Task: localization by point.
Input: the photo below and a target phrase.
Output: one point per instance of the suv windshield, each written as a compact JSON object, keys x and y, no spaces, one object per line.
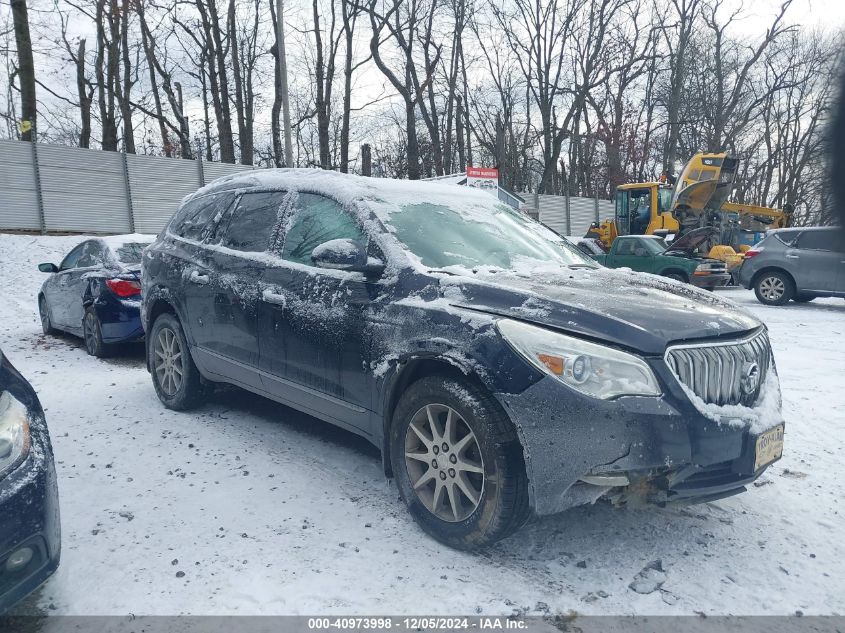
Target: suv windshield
{"x":494,"y":236}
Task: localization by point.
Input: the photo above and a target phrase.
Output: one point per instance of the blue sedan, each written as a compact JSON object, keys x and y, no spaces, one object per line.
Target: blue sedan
{"x":30,"y":540}
{"x":95,"y":292}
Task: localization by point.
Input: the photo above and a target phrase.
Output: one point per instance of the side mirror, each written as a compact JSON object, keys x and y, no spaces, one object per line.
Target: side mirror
{"x":346,"y":254}
{"x":48,"y":268}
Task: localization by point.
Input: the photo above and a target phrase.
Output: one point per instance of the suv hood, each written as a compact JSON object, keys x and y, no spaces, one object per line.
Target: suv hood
{"x":691,"y":240}
{"x":634,"y":310}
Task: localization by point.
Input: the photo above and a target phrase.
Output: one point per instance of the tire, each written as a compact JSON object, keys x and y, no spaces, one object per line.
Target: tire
{"x":803,"y":298}
{"x":488,"y":448}
{"x":44,"y":314}
{"x":774,"y":288}
{"x":178,"y":391}
{"x":92,"y":334}
{"x":676,"y":276}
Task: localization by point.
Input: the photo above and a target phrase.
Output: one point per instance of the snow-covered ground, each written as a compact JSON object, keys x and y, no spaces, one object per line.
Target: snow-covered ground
{"x":247,"y":507}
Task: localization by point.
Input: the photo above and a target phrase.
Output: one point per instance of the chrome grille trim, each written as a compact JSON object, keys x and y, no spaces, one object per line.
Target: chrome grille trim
{"x":713,"y":370}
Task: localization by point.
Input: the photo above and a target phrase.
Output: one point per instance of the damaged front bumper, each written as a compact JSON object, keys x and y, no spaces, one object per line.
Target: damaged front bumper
{"x":629,"y":450}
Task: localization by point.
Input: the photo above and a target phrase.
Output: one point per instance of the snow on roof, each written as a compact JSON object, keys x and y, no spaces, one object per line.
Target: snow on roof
{"x":349,"y":188}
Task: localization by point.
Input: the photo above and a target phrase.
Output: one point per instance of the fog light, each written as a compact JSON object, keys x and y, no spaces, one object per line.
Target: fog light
{"x":19,"y":559}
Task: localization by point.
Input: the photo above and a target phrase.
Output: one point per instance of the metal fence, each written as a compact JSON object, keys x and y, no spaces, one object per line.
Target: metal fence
{"x":570,"y":215}
{"x":53,"y":188}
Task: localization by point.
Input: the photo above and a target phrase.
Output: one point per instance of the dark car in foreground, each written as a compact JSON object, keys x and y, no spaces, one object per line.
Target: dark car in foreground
{"x":95,"y":292}
{"x":798,"y":264}
{"x":680,"y":260}
{"x":502,"y":372}
{"x":30,"y":542}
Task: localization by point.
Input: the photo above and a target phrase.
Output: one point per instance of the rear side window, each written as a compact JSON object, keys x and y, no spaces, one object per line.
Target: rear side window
{"x":817,"y":240}
{"x":255,"y":222}
{"x":317,"y":220}
{"x":197,"y":217}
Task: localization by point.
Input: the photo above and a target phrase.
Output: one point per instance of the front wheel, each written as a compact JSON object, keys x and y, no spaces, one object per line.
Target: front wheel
{"x":44,"y":313}
{"x":176,"y":378}
{"x":458,"y":463}
{"x":676,"y":277}
{"x":774,"y":288}
{"x":93,"y":335}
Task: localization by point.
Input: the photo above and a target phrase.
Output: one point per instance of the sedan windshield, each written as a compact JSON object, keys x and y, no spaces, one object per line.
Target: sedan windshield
{"x":495,"y":236}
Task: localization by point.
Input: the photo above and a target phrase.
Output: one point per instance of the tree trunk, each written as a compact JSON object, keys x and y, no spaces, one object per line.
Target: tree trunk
{"x":26,"y":70}
{"x":85,"y":97}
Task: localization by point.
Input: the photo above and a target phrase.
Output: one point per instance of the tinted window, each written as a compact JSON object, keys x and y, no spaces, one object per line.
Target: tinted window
{"x":817,"y":240}
{"x":91,"y":255}
{"x":317,"y":220}
{"x":71,"y":258}
{"x":197,"y":217}
{"x":787,"y":237}
{"x":255,"y":221}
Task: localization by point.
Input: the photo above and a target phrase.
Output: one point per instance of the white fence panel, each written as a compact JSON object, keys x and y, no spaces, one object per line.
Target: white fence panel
{"x":18,"y":195}
{"x":213,"y":171}
{"x":83,"y":190}
{"x":582,"y":212}
{"x":158,"y":184}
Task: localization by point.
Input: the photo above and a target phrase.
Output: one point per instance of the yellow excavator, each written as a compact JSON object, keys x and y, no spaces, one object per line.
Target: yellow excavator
{"x":697,"y":199}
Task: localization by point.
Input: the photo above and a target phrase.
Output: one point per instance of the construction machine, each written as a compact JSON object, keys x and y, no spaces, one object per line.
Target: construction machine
{"x":697,"y":199}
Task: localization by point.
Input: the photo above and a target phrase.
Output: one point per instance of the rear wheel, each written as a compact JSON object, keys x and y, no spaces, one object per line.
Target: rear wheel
{"x":458,"y":463}
{"x":176,"y":378}
{"x":93,"y":335}
{"x":44,"y":313}
{"x":774,"y":288}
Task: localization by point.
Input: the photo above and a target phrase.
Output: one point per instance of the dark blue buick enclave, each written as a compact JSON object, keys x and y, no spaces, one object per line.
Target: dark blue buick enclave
{"x":501,"y":372}
{"x":29,"y":500}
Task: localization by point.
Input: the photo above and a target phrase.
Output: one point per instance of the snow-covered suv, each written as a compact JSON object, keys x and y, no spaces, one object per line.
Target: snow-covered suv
{"x":500,"y":371}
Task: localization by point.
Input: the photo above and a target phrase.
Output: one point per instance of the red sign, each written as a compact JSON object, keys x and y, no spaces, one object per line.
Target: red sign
{"x":482,"y":172}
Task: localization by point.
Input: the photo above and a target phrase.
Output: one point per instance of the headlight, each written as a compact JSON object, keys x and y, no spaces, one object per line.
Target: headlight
{"x":592,"y":369}
{"x":14,"y":432}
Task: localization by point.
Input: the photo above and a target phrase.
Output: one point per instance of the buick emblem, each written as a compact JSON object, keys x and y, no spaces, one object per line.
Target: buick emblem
{"x":750,"y":378}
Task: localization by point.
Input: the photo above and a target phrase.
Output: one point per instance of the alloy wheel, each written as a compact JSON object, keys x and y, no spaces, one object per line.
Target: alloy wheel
{"x":168,"y":361}
{"x":90,"y":333}
{"x":772,"y":288}
{"x":444,"y":462}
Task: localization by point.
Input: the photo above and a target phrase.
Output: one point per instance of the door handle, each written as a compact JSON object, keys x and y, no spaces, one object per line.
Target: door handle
{"x":198,"y":278}
{"x":788,"y":256}
{"x":274,"y":298}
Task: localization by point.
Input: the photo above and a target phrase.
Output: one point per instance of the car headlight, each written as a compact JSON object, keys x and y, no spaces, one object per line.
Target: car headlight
{"x":14,"y":432}
{"x":592,"y":369}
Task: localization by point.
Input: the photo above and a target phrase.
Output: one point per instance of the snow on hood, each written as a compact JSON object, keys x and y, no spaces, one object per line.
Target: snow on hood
{"x":635,"y":310}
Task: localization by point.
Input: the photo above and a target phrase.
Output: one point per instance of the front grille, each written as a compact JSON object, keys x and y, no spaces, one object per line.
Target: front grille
{"x":722,"y":373}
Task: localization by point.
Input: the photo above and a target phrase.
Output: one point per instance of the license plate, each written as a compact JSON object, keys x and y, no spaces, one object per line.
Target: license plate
{"x":769,"y":447}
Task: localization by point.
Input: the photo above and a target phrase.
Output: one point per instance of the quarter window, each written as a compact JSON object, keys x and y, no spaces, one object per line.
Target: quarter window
{"x":316,"y":220}
{"x":255,"y":222}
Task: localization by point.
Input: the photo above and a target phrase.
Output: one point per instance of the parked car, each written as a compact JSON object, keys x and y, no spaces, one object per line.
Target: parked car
{"x":95,"y":292}
{"x":798,"y":264}
{"x":501,"y":372}
{"x":30,"y":541}
{"x":679,"y":261}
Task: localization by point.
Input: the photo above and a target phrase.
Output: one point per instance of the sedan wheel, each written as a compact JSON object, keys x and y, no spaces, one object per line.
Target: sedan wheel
{"x":444,"y":463}
{"x":93,"y":336}
{"x":168,"y":361}
{"x":44,"y":313}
